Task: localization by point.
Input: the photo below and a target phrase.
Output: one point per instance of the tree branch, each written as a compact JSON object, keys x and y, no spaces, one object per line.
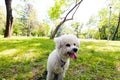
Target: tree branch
{"x":73,"y":9}
{"x":65,"y":19}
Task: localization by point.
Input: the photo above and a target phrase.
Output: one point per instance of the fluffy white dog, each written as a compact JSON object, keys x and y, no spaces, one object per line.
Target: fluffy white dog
{"x":58,"y":60}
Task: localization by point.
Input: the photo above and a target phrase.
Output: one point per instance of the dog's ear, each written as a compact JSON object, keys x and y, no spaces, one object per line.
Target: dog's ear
{"x":58,"y":42}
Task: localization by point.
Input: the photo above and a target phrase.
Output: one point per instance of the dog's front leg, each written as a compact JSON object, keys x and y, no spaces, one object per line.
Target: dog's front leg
{"x":50,"y":76}
{"x":60,"y":76}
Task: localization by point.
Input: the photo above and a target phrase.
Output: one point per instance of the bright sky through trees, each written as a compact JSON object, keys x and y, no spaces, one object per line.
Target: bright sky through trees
{"x":86,"y":9}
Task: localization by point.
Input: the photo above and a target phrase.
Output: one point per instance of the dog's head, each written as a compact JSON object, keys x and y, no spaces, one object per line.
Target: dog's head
{"x":67,"y":45}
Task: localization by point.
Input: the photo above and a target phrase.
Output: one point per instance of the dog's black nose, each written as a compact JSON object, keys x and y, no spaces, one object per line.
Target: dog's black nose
{"x":75,"y":49}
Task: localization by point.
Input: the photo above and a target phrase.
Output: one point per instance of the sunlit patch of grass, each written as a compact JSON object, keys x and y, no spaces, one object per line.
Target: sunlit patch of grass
{"x":118,"y":66}
{"x":97,"y":60}
{"x":26,"y":55}
{"x":8,"y":52}
{"x":25,"y":59}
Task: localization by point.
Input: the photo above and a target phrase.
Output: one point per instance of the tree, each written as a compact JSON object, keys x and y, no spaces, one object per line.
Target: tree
{"x":27,"y":17}
{"x":17,"y":27}
{"x":101,"y":21}
{"x":117,"y":9}
{"x":77,"y":27}
{"x":42,"y":29}
{"x":9,"y":19}
{"x":31,"y":18}
{"x":74,"y":8}
{"x":117,"y":28}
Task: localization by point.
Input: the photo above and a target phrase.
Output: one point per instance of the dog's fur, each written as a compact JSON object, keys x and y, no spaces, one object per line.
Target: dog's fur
{"x":58,"y":60}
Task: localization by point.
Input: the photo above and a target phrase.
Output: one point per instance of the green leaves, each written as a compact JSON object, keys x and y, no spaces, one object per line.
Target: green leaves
{"x":58,"y":9}
{"x":107,"y":18}
{"x":2,"y":21}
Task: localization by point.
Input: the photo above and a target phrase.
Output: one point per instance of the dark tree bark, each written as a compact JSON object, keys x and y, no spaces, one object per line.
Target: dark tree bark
{"x":65,"y":19}
{"x":116,"y":31}
{"x":9,"y":19}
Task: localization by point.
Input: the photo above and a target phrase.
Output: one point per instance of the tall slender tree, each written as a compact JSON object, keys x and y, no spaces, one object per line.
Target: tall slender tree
{"x":117,"y":28}
{"x":9,"y":19}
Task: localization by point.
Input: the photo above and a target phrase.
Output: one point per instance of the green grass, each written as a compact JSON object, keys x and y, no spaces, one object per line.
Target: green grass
{"x":25,"y":59}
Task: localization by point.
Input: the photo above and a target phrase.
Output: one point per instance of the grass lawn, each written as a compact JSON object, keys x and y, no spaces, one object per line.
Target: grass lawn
{"x":25,"y":59}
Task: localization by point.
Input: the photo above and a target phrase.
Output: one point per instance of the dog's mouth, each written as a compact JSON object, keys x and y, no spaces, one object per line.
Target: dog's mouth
{"x":72,"y":55}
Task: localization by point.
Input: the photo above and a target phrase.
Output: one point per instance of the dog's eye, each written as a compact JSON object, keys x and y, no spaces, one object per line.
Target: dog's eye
{"x":74,"y":44}
{"x":68,"y":45}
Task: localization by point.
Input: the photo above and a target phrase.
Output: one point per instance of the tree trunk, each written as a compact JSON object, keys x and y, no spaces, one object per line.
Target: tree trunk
{"x":116,"y":31}
{"x":9,"y":19}
{"x":56,"y":29}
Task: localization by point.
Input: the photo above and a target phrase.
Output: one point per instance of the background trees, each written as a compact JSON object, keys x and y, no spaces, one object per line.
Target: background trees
{"x":101,"y":20}
{"x":117,"y":29}
{"x":77,"y":28}
{"x":28,"y":17}
{"x":26,"y":22}
{"x":2,"y":22}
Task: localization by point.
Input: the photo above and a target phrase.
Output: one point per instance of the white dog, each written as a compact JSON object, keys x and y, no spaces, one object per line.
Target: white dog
{"x":58,"y":60}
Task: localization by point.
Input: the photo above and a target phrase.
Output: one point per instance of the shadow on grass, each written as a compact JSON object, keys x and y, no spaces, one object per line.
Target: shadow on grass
{"x":29,"y":60}
{"x":94,"y":63}
{"x":95,"y":60}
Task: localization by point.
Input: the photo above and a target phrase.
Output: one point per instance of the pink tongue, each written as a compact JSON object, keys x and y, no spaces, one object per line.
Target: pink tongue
{"x":72,"y":55}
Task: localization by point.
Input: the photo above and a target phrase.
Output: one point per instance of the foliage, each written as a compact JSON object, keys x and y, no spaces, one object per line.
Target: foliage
{"x":30,"y":17}
{"x":101,"y":20}
{"x":18,"y":27}
{"x":77,"y":28}
{"x":96,"y":59}
{"x":60,"y":31}
{"x":55,"y":12}
{"x":43,"y":29}
{"x":58,"y":9}
{"x":26,"y":16}
{"x":2,"y":21}
{"x":26,"y":21}
{"x":93,"y":34}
